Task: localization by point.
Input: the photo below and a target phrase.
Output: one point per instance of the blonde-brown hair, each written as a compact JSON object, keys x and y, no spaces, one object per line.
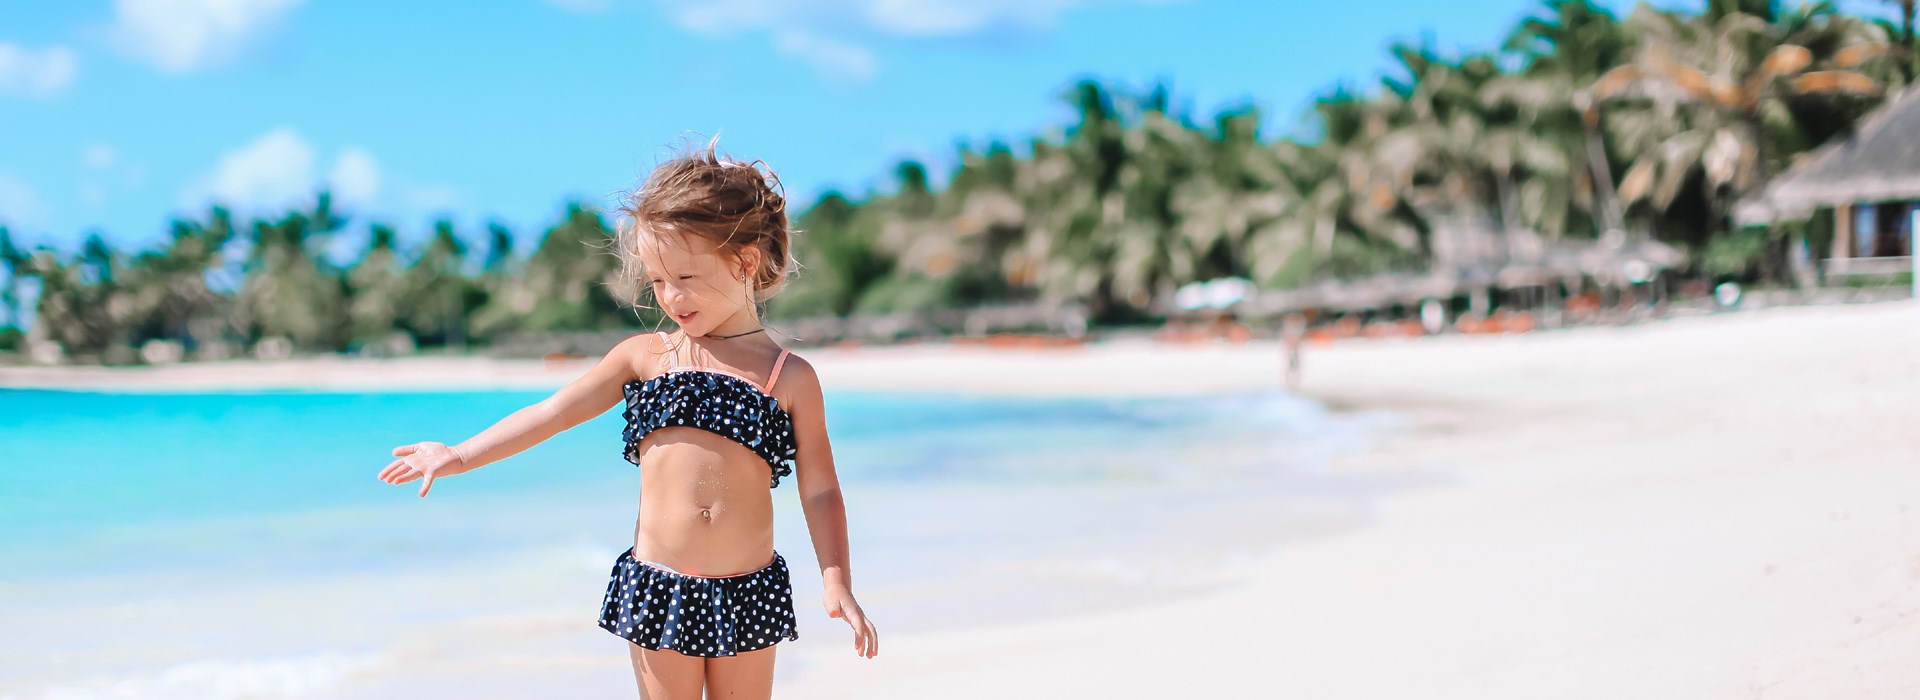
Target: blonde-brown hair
{"x":702,"y":196}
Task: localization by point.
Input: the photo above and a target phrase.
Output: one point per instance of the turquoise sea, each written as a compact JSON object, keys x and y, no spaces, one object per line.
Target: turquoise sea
{"x":229,"y":545}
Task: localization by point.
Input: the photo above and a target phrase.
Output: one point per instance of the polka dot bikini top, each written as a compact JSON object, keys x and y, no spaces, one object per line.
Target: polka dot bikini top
{"x":718,"y":402}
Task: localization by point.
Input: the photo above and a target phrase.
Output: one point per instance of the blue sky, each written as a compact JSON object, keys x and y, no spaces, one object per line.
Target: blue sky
{"x":115,"y":116}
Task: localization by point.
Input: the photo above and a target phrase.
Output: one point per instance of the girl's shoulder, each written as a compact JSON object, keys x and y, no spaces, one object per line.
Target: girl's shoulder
{"x":797,"y":370}
{"x":643,"y":353}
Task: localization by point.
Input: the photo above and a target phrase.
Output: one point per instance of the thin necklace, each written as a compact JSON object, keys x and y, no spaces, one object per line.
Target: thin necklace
{"x":736,"y":335}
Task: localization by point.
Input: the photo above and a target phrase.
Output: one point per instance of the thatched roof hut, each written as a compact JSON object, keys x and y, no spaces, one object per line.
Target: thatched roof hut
{"x":1879,"y":162}
{"x":1610,"y":261}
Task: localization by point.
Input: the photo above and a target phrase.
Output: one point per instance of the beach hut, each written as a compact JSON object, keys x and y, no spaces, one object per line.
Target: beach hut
{"x":1529,"y":272}
{"x":1871,"y":181}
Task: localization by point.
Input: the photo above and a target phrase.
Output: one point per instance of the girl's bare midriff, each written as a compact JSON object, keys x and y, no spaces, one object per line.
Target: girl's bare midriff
{"x":705,"y":507}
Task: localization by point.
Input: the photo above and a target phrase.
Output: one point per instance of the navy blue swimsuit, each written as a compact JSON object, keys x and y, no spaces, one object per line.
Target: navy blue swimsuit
{"x":708,"y":616}
{"x":718,"y":402}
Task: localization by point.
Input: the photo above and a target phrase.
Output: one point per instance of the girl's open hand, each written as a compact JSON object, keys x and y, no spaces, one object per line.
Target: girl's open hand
{"x":866,"y":639}
{"x":423,"y":459}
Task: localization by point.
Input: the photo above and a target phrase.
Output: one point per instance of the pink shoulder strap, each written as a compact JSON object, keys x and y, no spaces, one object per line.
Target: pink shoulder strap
{"x":673,"y":356}
{"x":777,"y":364}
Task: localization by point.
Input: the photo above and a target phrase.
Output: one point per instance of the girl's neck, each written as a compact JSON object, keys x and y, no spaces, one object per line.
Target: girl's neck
{"x":737,"y":324}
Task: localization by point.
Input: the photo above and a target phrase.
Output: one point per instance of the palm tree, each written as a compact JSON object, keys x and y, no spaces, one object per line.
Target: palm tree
{"x":997,"y":204}
{"x":1087,"y":203}
{"x":80,"y":305}
{"x":572,"y":281}
{"x":1463,"y":150}
{"x":1230,"y":213}
{"x":17,"y":262}
{"x":503,"y":308}
{"x":1738,"y":69}
{"x":1148,"y":252}
{"x":291,"y":290}
{"x":436,"y":289}
{"x":836,"y":239}
{"x":1910,"y":55}
{"x":377,"y":288}
{"x":1573,"y":38}
{"x":1569,"y":47}
{"x":169,"y":287}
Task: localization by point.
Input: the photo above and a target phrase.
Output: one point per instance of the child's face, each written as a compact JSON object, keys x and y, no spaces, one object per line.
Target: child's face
{"x":697,"y":284}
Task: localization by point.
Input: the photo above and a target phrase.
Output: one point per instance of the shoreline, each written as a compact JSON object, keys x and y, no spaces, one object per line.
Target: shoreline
{"x":1062,"y":372}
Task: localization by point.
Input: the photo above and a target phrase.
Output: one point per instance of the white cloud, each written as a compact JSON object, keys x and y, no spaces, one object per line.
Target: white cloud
{"x":911,"y":18}
{"x":32,"y":73}
{"x":19,"y":204}
{"x":355,"y":178}
{"x":958,"y":17}
{"x":275,"y":169}
{"x":825,"y":32}
{"x":178,"y":36}
{"x":280,"y":169}
{"x":832,"y":59}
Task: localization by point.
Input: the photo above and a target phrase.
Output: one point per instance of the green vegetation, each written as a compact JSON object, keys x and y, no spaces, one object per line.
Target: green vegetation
{"x":1581,"y":122}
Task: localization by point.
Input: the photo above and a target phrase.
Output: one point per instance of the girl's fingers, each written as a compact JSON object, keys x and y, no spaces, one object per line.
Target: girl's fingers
{"x":404,"y":473}
{"x":866,"y":641}
{"x":400,"y":471}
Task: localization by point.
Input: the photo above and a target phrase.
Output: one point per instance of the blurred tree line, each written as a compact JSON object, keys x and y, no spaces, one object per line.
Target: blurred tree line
{"x":217,"y":287}
{"x":1581,"y":122}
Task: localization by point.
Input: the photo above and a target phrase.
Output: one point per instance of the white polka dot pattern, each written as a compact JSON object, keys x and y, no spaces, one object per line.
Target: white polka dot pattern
{"x":722,"y":404}
{"x":695,"y":615}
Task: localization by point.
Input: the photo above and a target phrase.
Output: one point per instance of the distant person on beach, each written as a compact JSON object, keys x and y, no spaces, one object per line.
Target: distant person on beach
{"x":1293,"y":334}
{"x":716,"y":412}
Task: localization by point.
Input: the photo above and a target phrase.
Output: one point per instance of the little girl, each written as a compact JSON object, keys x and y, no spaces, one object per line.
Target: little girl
{"x":715,"y":414}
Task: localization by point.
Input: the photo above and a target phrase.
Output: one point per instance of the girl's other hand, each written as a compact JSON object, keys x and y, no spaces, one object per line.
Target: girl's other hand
{"x":866,"y":639}
{"x":423,"y":459}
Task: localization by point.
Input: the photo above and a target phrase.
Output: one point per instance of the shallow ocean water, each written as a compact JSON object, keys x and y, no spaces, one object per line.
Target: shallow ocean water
{"x":228,"y":545}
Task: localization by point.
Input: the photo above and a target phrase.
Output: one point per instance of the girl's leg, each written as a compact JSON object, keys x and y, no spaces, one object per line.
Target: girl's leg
{"x":747,"y":676}
{"x":667,"y":674}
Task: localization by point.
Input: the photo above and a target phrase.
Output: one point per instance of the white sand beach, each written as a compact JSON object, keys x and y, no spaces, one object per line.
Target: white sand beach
{"x":1715,"y":507}
{"x":1723,"y":507}
{"x":1112,"y":369}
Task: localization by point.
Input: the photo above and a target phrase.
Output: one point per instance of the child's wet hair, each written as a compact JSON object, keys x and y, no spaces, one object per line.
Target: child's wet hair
{"x":702,"y":197}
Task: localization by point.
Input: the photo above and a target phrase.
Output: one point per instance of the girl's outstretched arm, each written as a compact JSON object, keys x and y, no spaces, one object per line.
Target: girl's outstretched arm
{"x":820,"y":498}
{"x":582,"y":399}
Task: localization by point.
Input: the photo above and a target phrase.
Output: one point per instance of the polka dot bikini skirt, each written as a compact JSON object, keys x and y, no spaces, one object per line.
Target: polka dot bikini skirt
{"x":659,"y":608}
